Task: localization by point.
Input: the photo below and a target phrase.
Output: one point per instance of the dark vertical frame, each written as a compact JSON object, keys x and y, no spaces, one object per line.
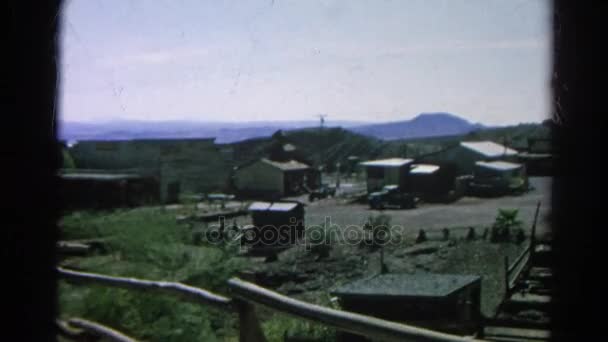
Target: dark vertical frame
{"x":31,"y":160}
{"x":579,"y":189}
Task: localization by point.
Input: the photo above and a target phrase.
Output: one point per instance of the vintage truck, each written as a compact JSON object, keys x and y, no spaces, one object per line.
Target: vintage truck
{"x":391,"y":196}
{"x":323,"y":192}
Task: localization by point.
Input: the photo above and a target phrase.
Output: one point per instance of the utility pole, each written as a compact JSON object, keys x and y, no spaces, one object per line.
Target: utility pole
{"x":321,"y":123}
{"x":322,"y":120}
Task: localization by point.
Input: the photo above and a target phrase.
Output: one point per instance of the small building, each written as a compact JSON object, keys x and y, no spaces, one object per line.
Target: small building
{"x":179,"y":165}
{"x":107,"y":190}
{"x":445,"y":302}
{"x":266,"y":178}
{"x":274,"y":225}
{"x":538,"y":157}
{"x":425,"y":180}
{"x":463,"y":156}
{"x":386,"y":172}
{"x":498,"y":177}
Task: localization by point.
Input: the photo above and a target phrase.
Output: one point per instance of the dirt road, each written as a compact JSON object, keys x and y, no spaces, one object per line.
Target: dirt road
{"x":467,"y":211}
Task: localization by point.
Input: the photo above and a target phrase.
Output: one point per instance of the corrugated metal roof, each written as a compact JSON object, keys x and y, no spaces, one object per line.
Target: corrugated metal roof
{"x":499,"y":165}
{"x":283,"y":206}
{"x":286,"y":166}
{"x":275,"y":206}
{"x":424,"y":168}
{"x":488,"y":148}
{"x":407,"y":285}
{"x":391,"y":162}
{"x":259,"y":206}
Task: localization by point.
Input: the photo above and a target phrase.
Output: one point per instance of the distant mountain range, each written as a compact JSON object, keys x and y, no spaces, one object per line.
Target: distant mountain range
{"x":423,"y":125}
{"x":224,"y":132}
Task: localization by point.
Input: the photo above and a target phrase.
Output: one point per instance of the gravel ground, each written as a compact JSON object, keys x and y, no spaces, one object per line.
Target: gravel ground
{"x":467,"y":211}
{"x":298,"y":273}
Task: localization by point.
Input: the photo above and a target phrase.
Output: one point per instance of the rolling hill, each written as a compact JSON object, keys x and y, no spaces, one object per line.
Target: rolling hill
{"x":423,"y":125}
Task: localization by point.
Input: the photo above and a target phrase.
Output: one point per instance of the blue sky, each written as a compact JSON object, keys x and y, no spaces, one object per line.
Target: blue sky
{"x":486,"y":60}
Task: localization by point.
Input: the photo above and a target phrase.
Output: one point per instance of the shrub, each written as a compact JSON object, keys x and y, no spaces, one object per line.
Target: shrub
{"x":379,"y":228}
{"x":505,"y":222}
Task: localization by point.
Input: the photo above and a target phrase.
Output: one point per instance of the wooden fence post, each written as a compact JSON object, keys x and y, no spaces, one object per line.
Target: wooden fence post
{"x":507,"y":287}
{"x":250,"y":329}
{"x":533,"y":236}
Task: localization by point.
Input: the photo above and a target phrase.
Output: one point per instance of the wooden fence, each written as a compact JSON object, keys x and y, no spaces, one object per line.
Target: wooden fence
{"x":245,"y":295}
{"x":513,"y":271}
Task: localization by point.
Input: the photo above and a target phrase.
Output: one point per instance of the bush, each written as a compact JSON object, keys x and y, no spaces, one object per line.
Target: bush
{"x":505,"y":222}
{"x":379,"y":229}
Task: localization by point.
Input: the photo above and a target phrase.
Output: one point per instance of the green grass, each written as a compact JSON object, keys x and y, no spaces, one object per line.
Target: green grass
{"x":279,"y":325}
{"x":148,"y":243}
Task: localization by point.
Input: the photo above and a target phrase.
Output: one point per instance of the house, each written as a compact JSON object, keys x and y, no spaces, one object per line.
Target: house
{"x":386,"y":172}
{"x":462,"y":156}
{"x":267,"y":178}
{"x":498,"y":177}
{"x":106,"y":190}
{"x":445,"y":302}
{"x":179,"y":165}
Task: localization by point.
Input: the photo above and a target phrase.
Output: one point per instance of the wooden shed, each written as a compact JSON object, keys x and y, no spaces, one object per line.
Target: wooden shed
{"x":445,"y":302}
{"x":498,"y":177}
{"x":266,"y":178}
{"x":107,"y":190}
{"x":276,"y":225}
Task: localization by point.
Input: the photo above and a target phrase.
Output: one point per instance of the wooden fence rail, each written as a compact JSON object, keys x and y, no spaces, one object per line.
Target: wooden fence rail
{"x":341,"y":320}
{"x":513,"y":271}
{"x":99,"y":330}
{"x":517,"y":267}
{"x":247,"y":293}
{"x":190,"y":293}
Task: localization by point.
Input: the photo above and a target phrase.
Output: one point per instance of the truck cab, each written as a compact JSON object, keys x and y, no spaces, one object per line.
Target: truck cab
{"x":391,"y":196}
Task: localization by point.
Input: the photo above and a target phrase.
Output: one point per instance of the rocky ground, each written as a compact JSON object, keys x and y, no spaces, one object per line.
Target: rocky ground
{"x":300,"y":273}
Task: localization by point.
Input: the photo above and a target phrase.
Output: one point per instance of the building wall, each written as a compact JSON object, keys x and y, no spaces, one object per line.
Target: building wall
{"x":391,"y":175}
{"x":196,"y":164}
{"x":259,"y":177}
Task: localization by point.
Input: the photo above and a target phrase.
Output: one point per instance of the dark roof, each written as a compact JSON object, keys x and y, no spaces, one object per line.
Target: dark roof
{"x":98,"y":176}
{"x":407,"y":285}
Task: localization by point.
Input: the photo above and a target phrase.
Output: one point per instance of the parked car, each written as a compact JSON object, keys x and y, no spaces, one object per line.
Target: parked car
{"x":323,"y":192}
{"x":391,"y":196}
